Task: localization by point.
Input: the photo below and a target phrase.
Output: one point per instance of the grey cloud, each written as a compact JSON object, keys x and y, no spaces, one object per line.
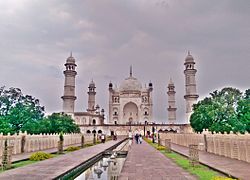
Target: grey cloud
{"x":106,"y":37}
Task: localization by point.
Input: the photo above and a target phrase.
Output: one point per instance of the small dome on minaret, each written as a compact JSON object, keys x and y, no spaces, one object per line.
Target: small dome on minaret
{"x":189,"y":58}
{"x":171,"y":82}
{"x":71,"y":59}
{"x":110,"y":85}
{"x":92,"y":83}
{"x":171,"y":85}
{"x":150,"y":84}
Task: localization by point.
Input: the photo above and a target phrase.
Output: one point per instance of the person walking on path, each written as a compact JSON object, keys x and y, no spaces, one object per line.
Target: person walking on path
{"x":140,"y":138}
{"x":136,"y":138}
{"x":103,"y":138}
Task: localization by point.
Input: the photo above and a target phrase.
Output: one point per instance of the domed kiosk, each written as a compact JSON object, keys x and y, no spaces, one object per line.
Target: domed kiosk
{"x":130,"y":103}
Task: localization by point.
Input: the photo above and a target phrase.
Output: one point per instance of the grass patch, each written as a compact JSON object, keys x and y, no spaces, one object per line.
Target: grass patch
{"x":19,"y":164}
{"x":22,"y":163}
{"x":201,"y":171}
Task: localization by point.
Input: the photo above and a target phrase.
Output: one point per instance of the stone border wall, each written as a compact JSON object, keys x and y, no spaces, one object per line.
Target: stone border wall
{"x":32,"y":143}
{"x":231,"y":145}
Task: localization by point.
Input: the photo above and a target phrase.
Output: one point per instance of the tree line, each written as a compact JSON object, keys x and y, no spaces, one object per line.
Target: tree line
{"x":223,"y":111}
{"x":19,"y":112}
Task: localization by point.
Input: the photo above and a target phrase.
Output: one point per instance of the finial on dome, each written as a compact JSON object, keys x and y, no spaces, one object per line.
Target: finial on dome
{"x":92,"y":83}
{"x":171,"y":81}
{"x":70,"y":53}
{"x":188,"y":52}
{"x":131,"y":71}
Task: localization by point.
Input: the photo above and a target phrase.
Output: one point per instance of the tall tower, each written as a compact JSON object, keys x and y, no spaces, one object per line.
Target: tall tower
{"x":69,"y":85}
{"x":91,"y":98}
{"x":190,"y":83}
{"x":171,"y":103}
{"x":111,"y":92}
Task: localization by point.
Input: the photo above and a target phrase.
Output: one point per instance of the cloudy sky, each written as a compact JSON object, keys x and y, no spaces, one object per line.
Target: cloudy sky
{"x":106,"y":37}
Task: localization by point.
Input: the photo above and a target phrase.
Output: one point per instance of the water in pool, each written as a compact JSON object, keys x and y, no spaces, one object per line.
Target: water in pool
{"x":108,"y":168}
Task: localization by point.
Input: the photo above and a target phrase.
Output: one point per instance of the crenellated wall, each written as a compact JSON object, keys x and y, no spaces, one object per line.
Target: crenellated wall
{"x":231,"y":145}
{"x":41,"y":142}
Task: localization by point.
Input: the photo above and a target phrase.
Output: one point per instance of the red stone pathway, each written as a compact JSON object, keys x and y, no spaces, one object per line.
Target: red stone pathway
{"x":146,"y":163}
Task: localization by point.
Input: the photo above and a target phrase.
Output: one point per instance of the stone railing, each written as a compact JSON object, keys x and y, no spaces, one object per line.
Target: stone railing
{"x":231,"y":145}
{"x":29,"y":143}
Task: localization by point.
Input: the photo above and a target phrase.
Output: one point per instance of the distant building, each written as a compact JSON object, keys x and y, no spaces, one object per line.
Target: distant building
{"x":130,"y":103}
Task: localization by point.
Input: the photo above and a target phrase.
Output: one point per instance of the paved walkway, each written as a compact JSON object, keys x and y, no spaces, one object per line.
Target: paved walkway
{"x":52,"y":168}
{"x":144,"y":162}
{"x":233,"y":167}
{"x":24,"y":156}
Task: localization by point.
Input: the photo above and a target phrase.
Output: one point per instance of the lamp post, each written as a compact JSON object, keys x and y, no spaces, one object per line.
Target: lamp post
{"x":153,"y":130}
{"x":145,"y":128}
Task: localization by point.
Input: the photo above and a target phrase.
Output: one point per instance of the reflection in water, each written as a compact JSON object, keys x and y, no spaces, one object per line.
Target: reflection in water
{"x":105,"y":169}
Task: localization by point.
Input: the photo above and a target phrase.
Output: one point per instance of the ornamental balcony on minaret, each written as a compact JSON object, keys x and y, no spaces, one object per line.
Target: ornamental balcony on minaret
{"x":191,"y":95}
{"x":69,"y":85}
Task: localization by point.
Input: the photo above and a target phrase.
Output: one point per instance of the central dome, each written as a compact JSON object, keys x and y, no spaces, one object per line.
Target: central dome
{"x":130,"y":83}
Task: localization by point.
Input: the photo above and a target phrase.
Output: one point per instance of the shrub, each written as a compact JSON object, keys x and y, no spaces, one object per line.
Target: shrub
{"x":88,"y":145}
{"x":39,"y":156}
{"x":72,"y":148}
{"x":160,"y":148}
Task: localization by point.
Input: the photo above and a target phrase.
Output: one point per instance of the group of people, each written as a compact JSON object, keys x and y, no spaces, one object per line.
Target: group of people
{"x":138,"y":138}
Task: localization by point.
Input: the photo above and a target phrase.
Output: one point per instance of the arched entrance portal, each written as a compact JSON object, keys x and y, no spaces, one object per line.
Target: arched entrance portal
{"x":130,"y":113}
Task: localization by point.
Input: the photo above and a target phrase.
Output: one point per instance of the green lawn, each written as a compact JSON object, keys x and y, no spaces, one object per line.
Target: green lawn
{"x":201,"y":171}
{"x":23,"y":163}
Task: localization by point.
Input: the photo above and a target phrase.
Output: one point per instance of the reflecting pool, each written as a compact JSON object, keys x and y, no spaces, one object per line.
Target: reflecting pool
{"x":108,"y":168}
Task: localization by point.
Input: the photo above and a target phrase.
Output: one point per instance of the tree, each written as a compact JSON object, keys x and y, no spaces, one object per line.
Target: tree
{"x":58,"y":122}
{"x":203,"y":115}
{"x":243,"y":110}
{"x":220,"y":112}
{"x":17,"y":110}
{"x":20,"y":112}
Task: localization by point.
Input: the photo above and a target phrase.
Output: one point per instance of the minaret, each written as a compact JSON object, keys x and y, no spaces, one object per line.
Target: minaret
{"x":171,"y":103}
{"x":91,"y":98}
{"x":191,"y":94}
{"x":69,"y":85}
